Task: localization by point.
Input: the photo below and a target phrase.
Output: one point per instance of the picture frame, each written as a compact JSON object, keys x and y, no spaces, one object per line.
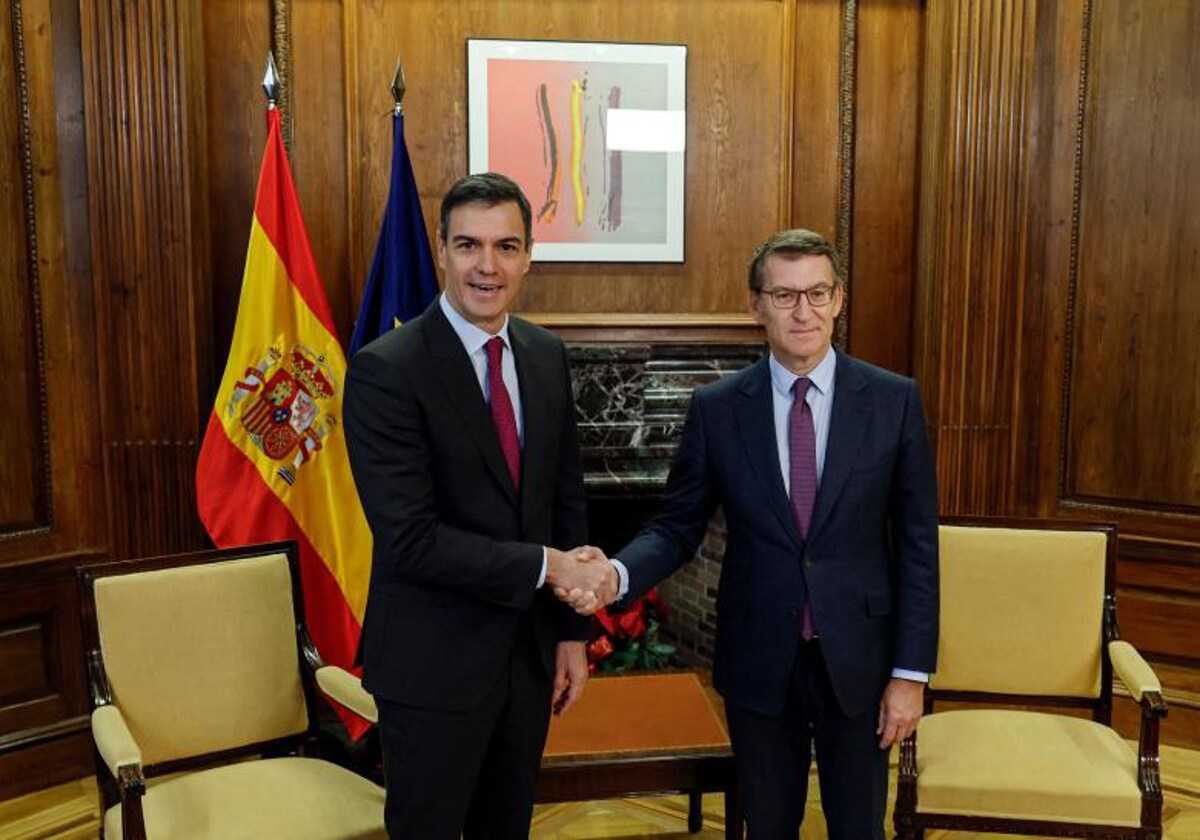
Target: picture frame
{"x":595,"y":135}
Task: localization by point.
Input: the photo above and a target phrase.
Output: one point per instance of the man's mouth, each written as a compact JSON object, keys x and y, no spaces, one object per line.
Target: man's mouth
{"x":487,"y":288}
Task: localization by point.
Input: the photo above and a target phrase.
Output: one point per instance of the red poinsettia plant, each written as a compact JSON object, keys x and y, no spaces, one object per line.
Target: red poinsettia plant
{"x":629,"y":640}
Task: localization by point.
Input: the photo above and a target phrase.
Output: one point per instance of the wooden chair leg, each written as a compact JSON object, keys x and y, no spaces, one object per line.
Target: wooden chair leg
{"x":695,"y":812}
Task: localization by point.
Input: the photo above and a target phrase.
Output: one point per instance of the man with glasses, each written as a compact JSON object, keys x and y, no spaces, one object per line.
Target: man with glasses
{"x":827,"y":612}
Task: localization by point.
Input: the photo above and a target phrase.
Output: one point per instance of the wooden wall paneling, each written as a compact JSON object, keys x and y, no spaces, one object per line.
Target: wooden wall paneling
{"x":1158,"y":605}
{"x":739,"y":99}
{"x":51,"y":487}
{"x":235,"y":37}
{"x":764,"y":97}
{"x":24,"y":448}
{"x":1133,"y":424}
{"x":816,"y":69}
{"x":887,"y":100}
{"x":44,"y":735}
{"x":319,"y":149}
{"x":972,"y":244}
{"x":1105,"y":83}
{"x":149,"y":238}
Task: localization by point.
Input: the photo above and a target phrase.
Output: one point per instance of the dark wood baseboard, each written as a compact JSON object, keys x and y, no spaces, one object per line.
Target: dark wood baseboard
{"x":38,"y":762}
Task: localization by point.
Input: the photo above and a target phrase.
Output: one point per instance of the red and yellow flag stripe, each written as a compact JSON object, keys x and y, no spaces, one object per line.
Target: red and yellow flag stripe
{"x":245,"y":495}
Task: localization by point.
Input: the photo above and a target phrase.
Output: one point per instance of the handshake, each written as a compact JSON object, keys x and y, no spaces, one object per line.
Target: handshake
{"x":583,"y":578}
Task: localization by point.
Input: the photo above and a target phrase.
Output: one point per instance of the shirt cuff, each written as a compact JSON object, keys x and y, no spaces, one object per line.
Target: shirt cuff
{"x":915,"y":676}
{"x":545,"y":565}
{"x":622,"y":577}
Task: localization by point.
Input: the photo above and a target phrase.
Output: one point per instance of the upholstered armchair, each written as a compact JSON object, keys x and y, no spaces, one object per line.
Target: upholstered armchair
{"x":1028,"y":618}
{"x":200,"y":665}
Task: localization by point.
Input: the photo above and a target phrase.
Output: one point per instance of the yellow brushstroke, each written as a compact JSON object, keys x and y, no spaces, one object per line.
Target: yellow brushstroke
{"x":577,"y":150}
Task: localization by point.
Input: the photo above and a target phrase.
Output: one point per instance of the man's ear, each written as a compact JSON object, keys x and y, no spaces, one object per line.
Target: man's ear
{"x":839,"y":299}
{"x":441,"y":250}
{"x":752,"y":300}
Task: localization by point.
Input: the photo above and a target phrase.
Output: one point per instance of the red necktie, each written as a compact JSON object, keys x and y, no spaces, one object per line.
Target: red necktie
{"x":802,"y":453}
{"x":503,"y":416}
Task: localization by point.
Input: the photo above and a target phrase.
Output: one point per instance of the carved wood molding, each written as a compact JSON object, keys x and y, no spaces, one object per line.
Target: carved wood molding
{"x":281,"y":47}
{"x":1068,"y":370}
{"x":43,"y":509}
{"x":1143,"y":477}
{"x":847,"y":78}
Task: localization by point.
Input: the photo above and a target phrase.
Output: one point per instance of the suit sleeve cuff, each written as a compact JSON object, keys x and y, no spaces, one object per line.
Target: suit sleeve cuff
{"x":545,"y":565}
{"x":622,"y":577}
{"x":915,"y":676}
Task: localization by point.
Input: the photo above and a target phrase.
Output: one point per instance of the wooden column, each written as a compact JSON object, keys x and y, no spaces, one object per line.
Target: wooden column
{"x":144,"y":100}
{"x":972,"y":239}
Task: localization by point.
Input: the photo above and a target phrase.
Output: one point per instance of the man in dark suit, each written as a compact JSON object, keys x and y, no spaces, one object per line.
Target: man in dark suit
{"x":827,"y":611}
{"x":462,"y":440}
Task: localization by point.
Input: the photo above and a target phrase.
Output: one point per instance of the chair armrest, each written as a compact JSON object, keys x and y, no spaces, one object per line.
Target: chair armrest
{"x":347,"y":689}
{"x":1135,"y":674}
{"x":114,"y":741}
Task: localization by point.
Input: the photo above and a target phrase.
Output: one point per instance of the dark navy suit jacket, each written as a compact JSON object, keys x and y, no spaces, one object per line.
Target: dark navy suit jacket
{"x":869,"y":567}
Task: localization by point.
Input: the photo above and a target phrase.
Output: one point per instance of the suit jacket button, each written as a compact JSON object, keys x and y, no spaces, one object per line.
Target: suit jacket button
{"x":807,"y":561}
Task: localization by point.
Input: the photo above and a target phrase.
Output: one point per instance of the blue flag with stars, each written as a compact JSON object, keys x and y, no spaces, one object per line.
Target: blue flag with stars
{"x":402,"y":282}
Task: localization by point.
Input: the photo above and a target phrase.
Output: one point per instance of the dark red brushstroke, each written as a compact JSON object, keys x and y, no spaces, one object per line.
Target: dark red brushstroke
{"x":549,"y":154}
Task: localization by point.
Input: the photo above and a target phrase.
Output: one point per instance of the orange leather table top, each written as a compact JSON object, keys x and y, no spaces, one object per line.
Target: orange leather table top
{"x":641,"y":715}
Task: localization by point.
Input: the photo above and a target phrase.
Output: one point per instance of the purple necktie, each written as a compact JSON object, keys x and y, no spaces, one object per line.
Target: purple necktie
{"x":802,"y":472}
{"x":503,"y":416}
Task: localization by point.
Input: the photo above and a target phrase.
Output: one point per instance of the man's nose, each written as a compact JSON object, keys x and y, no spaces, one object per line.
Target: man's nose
{"x":487,"y":260}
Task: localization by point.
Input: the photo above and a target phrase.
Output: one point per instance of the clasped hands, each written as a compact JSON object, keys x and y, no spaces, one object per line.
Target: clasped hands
{"x":583,"y":578}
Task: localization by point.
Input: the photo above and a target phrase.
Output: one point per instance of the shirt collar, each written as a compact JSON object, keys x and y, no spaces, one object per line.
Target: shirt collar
{"x":821,"y":376}
{"x":471,"y":336}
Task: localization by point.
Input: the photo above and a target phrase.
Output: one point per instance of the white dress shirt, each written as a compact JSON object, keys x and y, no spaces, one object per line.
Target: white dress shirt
{"x":473,"y":341}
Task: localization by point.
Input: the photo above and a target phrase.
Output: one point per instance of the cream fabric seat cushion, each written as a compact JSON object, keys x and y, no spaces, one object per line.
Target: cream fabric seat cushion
{"x":1002,"y":763}
{"x":296,"y":798}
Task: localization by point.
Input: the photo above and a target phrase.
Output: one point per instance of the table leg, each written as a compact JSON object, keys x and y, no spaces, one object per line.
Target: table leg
{"x":695,"y":812}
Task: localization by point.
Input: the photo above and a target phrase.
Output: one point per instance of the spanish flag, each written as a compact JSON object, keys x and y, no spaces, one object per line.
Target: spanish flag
{"x":273,"y":465}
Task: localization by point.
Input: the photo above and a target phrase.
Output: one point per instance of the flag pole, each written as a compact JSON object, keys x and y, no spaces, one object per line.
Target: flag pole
{"x":270,"y":82}
{"x":398,"y":87}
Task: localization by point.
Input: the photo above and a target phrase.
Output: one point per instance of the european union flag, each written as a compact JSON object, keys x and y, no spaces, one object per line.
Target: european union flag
{"x":402,"y":282}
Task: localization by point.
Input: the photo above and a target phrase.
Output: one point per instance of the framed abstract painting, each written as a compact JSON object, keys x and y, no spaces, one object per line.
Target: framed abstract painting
{"x":594,"y":133}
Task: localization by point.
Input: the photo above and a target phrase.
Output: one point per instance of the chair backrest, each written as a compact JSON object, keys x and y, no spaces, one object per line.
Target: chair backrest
{"x":1022,"y":608}
{"x":201,"y":657}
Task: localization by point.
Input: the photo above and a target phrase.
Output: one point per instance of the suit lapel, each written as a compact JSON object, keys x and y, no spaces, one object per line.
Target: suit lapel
{"x":847,"y":423}
{"x":533,"y":380}
{"x":456,"y":376}
{"x":756,"y":425}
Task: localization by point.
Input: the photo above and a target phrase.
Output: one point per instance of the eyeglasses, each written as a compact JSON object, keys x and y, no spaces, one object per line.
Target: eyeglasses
{"x":818,"y":296}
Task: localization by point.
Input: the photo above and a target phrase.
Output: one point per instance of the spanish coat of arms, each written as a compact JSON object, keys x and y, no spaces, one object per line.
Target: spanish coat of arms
{"x":283,"y":398}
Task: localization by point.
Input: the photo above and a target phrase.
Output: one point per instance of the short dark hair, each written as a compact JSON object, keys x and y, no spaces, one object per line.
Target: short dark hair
{"x":793,"y":244}
{"x":488,"y":189}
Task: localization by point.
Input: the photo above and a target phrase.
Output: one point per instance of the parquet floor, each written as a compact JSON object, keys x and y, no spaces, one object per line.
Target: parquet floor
{"x":70,"y":812}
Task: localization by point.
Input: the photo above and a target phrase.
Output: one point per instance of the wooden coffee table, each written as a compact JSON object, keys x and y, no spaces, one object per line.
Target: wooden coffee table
{"x":638,"y":735}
